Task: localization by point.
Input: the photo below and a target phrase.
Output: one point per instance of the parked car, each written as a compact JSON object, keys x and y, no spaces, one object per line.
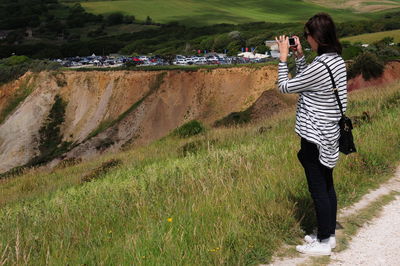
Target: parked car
{"x":181,"y":62}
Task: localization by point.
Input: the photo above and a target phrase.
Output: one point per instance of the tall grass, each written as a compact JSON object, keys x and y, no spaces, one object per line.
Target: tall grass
{"x":234,"y":200}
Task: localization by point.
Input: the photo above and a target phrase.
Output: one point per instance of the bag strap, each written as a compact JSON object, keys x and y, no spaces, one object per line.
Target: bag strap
{"x":335,"y":89}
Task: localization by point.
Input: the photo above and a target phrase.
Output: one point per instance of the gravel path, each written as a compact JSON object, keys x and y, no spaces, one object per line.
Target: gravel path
{"x":377,"y":243}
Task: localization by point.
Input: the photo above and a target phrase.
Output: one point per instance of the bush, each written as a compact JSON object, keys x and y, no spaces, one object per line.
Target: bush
{"x":235,"y":118}
{"x":350,"y":52}
{"x":129,"y":19}
{"x":15,"y":66}
{"x":101,"y":171}
{"x":15,"y":60}
{"x":189,"y":129}
{"x":115,"y":19}
{"x":388,"y":53}
{"x":367,"y":64}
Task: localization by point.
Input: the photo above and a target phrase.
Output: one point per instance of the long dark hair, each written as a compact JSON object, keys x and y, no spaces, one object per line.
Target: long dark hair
{"x":322,"y":28}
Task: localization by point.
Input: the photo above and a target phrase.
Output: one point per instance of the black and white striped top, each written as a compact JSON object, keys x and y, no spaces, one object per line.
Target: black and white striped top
{"x":318,"y":112}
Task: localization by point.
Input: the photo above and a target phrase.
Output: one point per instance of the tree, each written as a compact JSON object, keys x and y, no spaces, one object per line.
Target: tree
{"x":129,"y":19}
{"x":367,"y":64}
{"x":221,"y":42}
{"x":263,"y":49}
{"x":148,"y":21}
{"x":115,"y":18}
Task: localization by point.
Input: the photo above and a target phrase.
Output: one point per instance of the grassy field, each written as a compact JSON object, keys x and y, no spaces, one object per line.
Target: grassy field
{"x":373,"y":37}
{"x":228,"y":196}
{"x":209,"y":12}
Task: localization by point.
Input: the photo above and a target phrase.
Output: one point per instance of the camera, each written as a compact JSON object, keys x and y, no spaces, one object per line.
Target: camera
{"x":292,"y":41}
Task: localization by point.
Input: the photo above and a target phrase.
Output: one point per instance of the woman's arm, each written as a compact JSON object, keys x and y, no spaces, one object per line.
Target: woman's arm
{"x":301,"y":64}
{"x":310,"y":79}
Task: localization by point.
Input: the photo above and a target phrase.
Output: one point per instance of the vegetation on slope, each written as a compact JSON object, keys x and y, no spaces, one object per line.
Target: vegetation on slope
{"x":233,"y":200}
{"x":374,"y":37}
{"x":208,"y":12}
{"x":50,"y":137}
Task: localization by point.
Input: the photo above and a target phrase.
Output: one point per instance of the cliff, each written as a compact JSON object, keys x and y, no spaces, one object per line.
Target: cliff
{"x":105,"y":110}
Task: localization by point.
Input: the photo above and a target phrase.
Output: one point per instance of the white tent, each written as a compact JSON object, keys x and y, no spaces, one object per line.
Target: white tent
{"x":252,"y":55}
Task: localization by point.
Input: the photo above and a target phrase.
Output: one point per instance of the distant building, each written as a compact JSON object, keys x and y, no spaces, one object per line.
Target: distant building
{"x":273,"y":46}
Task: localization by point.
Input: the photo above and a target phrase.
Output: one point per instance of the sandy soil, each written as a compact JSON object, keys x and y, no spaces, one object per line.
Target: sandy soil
{"x":377,"y":243}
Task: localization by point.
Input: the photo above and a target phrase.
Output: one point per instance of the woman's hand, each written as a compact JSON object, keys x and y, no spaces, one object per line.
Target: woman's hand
{"x":298,"y":49}
{"x":283,"y":44}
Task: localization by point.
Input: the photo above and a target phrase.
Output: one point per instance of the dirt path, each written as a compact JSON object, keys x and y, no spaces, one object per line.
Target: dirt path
{"x":377,"y":243}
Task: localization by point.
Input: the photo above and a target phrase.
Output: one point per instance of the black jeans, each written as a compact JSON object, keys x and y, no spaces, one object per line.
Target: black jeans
{"x":320,"y":185}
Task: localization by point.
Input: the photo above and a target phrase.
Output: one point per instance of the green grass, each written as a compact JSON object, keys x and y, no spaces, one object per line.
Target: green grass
{"x":209,"y":12}
{"x":235,"y":200}
{"x":374,"y":37}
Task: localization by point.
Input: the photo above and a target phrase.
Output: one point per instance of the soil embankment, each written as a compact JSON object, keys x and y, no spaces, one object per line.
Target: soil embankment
{"x":105,"y":110}
{"x":390,"y":74}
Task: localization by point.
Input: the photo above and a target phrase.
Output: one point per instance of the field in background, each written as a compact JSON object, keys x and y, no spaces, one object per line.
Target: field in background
{"x":374,"y":37}
{"x":359,"y":5}
{"x":208,"y":12}
{"x":228,"y":196}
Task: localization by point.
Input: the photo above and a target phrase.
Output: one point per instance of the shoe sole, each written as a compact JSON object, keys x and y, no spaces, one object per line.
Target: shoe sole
{"x":332,"y":246}
{"x":316,"y":254}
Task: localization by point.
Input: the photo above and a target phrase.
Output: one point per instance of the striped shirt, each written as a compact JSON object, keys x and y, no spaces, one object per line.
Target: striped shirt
{"x":318,"y":112}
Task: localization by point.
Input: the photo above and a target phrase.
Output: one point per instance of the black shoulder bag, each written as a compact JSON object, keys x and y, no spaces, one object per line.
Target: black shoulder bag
{"x":346,"y":141}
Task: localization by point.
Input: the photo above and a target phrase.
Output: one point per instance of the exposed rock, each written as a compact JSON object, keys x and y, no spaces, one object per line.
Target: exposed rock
{"x":119,"y":106}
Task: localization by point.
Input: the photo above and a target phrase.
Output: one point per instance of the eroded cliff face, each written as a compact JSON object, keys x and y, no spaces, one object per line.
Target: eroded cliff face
{"x":390,"y":74}
{"x":107,"y":109}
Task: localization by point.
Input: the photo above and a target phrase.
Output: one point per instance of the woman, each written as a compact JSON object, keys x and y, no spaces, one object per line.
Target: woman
{"x":317,"y":120}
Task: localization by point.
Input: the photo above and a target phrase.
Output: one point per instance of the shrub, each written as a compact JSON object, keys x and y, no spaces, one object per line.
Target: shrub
{"x":15,"y":60}
{"x":101,"y":170}
{"x":388,"y":53}
{"x":368,"y":65}
{"x":15,"y":66}
{"x":235,"y":118}
{"x":115,"y":19}
{"x":189,"y":129}
{"x":351,"y":52}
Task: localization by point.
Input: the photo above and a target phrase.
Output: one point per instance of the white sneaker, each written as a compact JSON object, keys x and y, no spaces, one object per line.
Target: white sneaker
{"x":313,"y":237}
{"x":315,"y":248}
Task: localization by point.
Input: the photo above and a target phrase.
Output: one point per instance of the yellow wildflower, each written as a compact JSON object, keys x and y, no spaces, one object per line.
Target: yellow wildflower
{"x":169,"y":220}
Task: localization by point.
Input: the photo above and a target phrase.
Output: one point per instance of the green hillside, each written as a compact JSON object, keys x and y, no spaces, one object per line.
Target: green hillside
{"x":196,"y":12}
{"x":230,"y":196}
{"x":374,"y":37}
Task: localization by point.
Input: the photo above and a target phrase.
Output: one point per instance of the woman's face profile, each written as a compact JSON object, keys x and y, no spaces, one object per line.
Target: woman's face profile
{"x":312,"y":43}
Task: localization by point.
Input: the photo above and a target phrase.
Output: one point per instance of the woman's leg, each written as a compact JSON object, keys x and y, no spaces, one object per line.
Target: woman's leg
{"x":332,"y":198}
{"x":317,"y":185}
